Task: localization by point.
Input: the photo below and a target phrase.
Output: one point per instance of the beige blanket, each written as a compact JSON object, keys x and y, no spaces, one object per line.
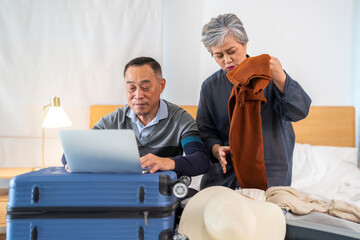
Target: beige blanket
{"x":301,"y":203}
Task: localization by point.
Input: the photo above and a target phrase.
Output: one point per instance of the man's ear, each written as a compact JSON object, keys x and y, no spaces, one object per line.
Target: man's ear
{"x":162,"y":85}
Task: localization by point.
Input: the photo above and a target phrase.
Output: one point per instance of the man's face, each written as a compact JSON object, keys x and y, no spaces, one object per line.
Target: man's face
{"x":230,"y":54}
{"x":143,"y":90}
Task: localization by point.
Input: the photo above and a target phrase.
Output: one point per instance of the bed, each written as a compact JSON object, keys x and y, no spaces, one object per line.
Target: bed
{"x":325,"y":167}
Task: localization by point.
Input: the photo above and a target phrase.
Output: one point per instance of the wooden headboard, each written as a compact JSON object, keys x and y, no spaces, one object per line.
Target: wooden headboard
{"x":328,"y":126}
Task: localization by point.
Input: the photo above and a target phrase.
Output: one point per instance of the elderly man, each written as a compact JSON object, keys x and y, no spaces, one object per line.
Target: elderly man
{"x":163,"y":130}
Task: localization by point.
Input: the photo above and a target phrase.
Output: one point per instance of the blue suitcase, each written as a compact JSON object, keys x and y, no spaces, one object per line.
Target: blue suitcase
{"x":53,"y":204}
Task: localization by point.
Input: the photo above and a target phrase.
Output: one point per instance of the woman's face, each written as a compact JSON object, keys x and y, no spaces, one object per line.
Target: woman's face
{"x":229,"y":54}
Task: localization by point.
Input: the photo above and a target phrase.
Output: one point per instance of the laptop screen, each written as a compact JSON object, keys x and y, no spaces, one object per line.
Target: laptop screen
{"x":101,"y":151}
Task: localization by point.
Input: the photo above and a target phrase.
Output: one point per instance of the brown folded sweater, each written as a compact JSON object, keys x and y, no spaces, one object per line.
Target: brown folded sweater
{"x":245,"y":137}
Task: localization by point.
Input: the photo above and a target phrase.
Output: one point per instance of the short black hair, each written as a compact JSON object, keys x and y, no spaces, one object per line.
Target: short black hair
{"x":140,"y":61}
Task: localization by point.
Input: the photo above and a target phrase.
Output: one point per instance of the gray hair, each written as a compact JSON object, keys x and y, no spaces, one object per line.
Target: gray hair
{"x":215,"y":32}
{"x":141,"y":61}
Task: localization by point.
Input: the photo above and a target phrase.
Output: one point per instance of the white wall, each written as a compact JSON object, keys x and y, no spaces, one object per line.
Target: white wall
{"x":356,"y":70}
{"x":312,"y":39}
{"x":77,"y":50}
{"x":182,"y":25}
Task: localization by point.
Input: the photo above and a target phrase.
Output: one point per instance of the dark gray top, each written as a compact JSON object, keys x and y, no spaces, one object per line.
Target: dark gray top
{"x":169,"y":138}
{"x":278,"y":135}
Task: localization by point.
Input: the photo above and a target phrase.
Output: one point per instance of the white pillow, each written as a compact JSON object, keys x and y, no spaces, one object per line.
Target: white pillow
{"x":327,"y":172}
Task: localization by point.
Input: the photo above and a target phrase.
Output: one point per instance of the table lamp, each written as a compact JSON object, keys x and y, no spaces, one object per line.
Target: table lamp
{"x":54,"y":118}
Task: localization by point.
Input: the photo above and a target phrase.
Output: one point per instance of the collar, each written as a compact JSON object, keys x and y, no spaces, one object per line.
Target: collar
{"x":162,"y":113}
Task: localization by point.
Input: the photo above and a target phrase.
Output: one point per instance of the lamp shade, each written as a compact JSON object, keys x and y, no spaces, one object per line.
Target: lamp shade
{"x":56,"y":118}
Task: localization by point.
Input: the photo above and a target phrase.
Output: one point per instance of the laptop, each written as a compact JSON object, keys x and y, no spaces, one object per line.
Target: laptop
{"x":101,"y":151}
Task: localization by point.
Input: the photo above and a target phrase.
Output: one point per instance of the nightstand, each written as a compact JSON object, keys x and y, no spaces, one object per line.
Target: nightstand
{"x":12,"y":172}
{"x":3,"y":203}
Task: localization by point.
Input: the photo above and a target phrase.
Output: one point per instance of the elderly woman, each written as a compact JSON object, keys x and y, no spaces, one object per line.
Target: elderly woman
{"x":226,"y":40}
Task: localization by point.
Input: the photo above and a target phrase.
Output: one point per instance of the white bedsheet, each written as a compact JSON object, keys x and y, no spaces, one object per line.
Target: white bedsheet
{"x":324,"y":172}
{"x":327,"y":172}
{"x":326,"y":223}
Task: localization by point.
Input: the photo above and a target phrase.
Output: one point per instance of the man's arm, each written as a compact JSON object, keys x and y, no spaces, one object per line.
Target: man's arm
{"x":195,"y":162}
{"x":156,"y":163}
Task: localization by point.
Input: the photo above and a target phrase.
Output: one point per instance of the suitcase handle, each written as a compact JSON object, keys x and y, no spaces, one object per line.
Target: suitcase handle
{"x":141,"y":194}
{"x":35,"y":194}
{"x":141,"y":233}
{"x":165,"y":183}
{"x":34,"y":233}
